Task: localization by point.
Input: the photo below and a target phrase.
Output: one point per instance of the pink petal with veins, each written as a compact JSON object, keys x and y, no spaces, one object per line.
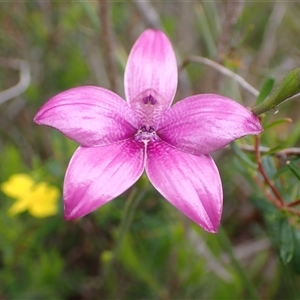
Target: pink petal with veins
{"x":151,"y":70}
{"x":204,"y":123}
{"x":90,"y":115}
{"x":191,"y":183}
{"x":98,"y":175}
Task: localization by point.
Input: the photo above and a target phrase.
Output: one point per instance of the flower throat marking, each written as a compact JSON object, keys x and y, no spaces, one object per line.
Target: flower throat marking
{"x":149,"y":110}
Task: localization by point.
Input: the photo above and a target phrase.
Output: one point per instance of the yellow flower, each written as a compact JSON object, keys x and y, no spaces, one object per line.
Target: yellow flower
{"x":40,"y":199}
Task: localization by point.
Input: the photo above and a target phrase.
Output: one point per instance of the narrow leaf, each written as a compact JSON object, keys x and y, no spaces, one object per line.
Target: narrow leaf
{"x":275,"y":149}
{"x":236,"y":149}
{"x":269,"y":166}
{"x":286,"y":247}
{"x":206,"y":30}
{"x":294,"y":135}
{"x":293,"y":168}
{"x":278,"y":122}
{"x":264,"y":206}
{"x":296,"y":258}
{"x":265,"y":90}
{"x":289,"y":86}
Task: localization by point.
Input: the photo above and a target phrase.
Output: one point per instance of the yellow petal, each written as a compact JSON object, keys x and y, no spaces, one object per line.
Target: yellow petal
{"x":39,"y":199}
{"x":43,"y":211}
{"x":43,"y":202}
{"x":17,"y":186}
{"x":19,"y":206}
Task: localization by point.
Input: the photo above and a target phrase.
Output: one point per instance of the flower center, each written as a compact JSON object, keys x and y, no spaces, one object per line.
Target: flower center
{"x":146,"y":134}
{"x":149,"y":100}
{"x":149,"y":107}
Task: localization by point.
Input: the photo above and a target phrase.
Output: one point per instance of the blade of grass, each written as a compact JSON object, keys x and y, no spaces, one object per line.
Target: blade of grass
{"x":226,"y":245}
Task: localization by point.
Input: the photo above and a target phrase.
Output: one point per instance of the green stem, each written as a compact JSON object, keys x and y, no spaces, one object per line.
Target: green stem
{"x":226,"y":244}
{"x":127,"y":216}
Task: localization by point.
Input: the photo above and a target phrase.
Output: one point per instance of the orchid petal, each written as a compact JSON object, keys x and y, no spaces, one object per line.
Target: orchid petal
{"x":90,"y":115}
{"x":204,"y":123}
{"x":191,"y":183}
{"x":151,"y":73}
{"x":98,"y":175}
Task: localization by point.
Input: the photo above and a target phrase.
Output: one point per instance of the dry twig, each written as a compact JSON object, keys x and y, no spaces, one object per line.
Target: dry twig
{"x":223,"y":70}
{"x":25,"y":78}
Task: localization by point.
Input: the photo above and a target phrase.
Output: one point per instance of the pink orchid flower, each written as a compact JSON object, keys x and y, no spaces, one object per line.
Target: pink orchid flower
{"x":119,"y":140}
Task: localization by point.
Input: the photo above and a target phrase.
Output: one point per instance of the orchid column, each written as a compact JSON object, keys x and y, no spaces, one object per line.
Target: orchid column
{"x":120,"y":139}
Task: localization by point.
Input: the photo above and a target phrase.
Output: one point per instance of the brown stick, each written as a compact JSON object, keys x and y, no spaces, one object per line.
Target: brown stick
{"x":279,"y":200}
{"x":284,"y":153}
{"x":294,"y":203}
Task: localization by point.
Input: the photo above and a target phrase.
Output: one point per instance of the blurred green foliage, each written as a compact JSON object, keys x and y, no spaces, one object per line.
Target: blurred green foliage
{"x":138,"y":246}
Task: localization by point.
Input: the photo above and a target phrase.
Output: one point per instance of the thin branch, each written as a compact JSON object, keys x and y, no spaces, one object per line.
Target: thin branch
{"x":265,"y":191}
{"x":275,"y":197}
{"x":279,"y":201}
{"x":108,"y":43}
{"x":25,"y":78}
{"x":246,"y":250}
{"x":281,"y":153}
{"x":223,"y":70}
{"x":148,"y":13}
{"x":294,"y":203}
{"x":290,"y":98}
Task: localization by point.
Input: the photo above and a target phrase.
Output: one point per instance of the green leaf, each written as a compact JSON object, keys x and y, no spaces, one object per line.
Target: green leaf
{"x":293,"y":168}
{"x":294,"y":135}
{"x":242,"y":273}
{"x":286,"y":246}
{"x":263,"y":205}
{"x":289,"y":86}
{"x":269,"y":166}
{"x":236,"y":149}
{"x":296,"y":258}
{"x":131,"y":259}
{"x":277,"y":122}
{"x":275,"y":150}
{"x":91,"y":13}
{"x":206,"y":31}
{"x":265,"y":90}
